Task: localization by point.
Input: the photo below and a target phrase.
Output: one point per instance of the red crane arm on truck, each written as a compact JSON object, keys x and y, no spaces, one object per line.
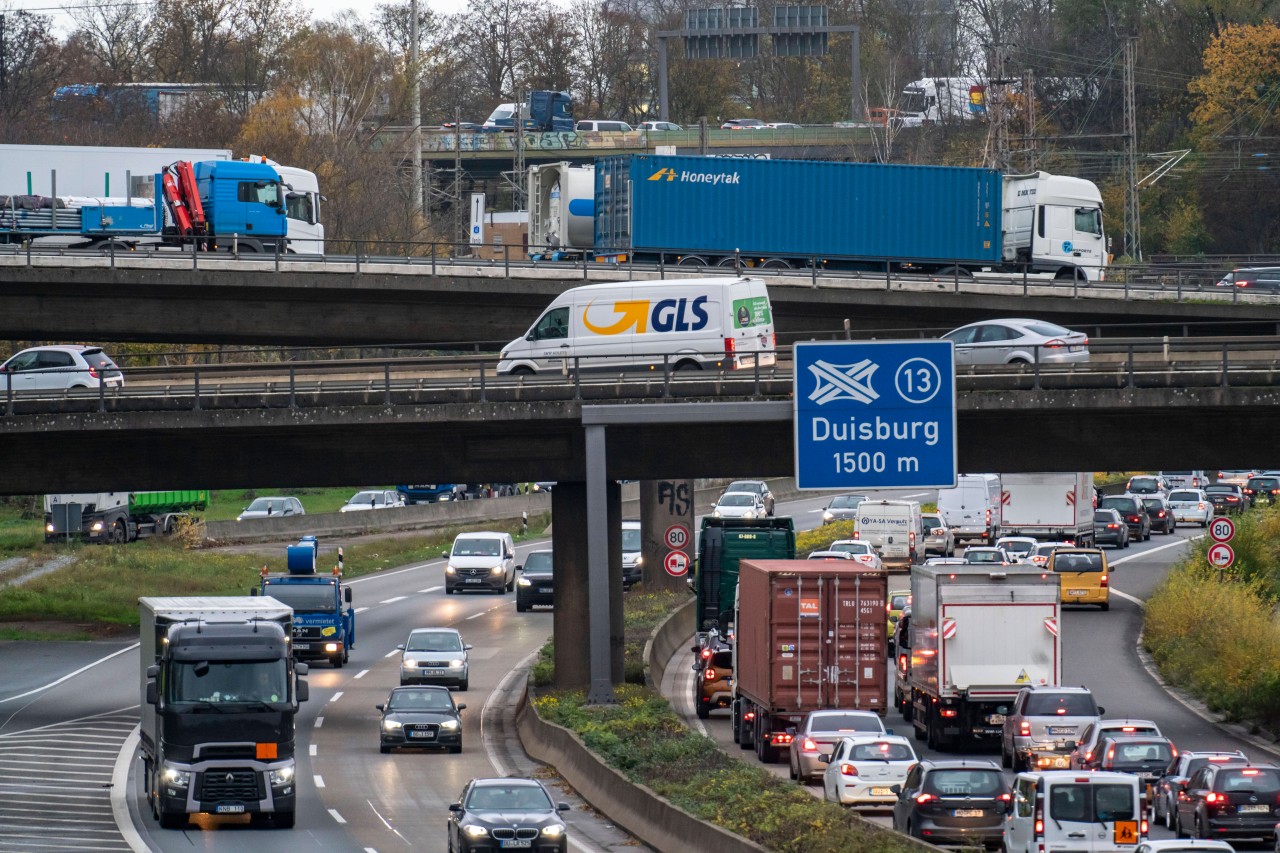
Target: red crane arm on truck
{"x":183,"y":199}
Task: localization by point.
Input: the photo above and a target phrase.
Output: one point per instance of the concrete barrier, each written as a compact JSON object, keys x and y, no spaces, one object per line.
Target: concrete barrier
{"x":670,"y":636}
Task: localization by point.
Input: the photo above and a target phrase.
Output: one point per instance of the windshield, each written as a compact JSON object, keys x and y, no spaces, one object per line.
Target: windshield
{"x":263,"y":504}
{"x":899,"y":601}
{"x":851,"y":547}
{"x":1221,"y":490}
{"x":975,"y":556}
{"x":964,"y":783}
{"x":228,"y":681}
{"x":1188,"y":497}
{"x":365,"y":498}
{"x":508,"y":798}
{"x":630,"y":539}
{"x":1131,"y":752}
{"x":477,"y":548}
{"x":846,"y":502}
{"x":540,"y":561}
{"x":1060,"y":705}
{"x":434,"y":641}
{"x":1122,"y":504}
{"x":881,"y":751}
{"x":1017,"y":547}
{"x":834,"y":722}
{"x":420,"y":700}
{"x":305,"y":597}
{"x":1084,"y":803}
{"x":1249,"y":780}
{"x":1097,"y":516}
{"x":738,"y":500}
{"x":744,"y":486}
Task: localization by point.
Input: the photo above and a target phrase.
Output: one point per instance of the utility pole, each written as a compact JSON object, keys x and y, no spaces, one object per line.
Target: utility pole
{"x":456,"y":191}
{"x":517,"y":160}
{"x":415,"y":78}
{"x":1132,"y":217}
{"x":1029,"y":95}
{"x":997,"y":90}
{"x":4,"y":84}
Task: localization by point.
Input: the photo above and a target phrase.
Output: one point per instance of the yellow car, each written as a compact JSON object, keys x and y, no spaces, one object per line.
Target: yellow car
{"x":898,"y":599}
{"x":1084,"y":575}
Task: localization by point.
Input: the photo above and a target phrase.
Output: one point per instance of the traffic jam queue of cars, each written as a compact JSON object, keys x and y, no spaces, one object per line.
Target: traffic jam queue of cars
{"x":1071,"y":777}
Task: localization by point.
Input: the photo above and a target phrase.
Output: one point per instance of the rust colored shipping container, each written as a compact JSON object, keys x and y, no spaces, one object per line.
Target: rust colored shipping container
{"x":811,"y":636}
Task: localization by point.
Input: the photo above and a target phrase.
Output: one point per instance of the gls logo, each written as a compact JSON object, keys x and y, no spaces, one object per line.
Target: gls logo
{"x":668,"y":315}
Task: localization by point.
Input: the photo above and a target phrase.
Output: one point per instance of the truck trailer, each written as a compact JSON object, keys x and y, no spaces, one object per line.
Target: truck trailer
{"x":722,"y":544}
{"x":324,"y":623}
{"x":118,"y":517}
{"x":810,"y":636}
{"x":1048,"y":506}
{"x":692,"y":211}
{"x":220,"y":692}
{"x":977,"y":638}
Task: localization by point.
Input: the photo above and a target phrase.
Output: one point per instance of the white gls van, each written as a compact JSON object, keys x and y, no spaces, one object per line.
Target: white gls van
{"x":894,"y":528}
{"x":972,"y":508}
{"x":716,"y":323}
{"x":1097,"y":812}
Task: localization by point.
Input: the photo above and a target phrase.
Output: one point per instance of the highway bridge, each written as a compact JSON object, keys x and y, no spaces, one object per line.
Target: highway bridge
{"x":456,"y":305}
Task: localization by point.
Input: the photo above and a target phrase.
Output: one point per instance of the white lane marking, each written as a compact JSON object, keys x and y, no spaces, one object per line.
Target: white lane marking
{"x":319,"y":780}
{"x":1127,"y":597}
{"x":392,"y":653}
{"x":393,"y":600}
{"x":361,"y":609}
{"x":1138,"y":601}
{"x":119,"y":790}
{"x":339,"y":818}
{"x":71,"y":675}
{"x":386,"y":823}
{"x":370,"y":849}
{"x":916,"y":495}
{"x":377,"y":575}
{"x":431,"y":589}
{"x":362,"y":673}
{"x":319,"y":722}
{"x":477,"y":615}
{"x":312,"y":750}
{"x":336,"y":696}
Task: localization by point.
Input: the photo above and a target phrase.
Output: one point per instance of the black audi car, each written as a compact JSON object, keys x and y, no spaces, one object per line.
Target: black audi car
{"x":501,"y":814}
{"x":537,"y":583}
{"x":420,"y":717}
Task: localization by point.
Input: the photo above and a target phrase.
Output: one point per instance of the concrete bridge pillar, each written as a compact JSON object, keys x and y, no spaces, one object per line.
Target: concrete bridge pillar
{"x":575,"y":575}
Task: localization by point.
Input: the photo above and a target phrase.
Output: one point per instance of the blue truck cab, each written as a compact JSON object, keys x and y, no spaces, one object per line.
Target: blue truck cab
{"x":324,"y":623}
{"x":242,"y":198}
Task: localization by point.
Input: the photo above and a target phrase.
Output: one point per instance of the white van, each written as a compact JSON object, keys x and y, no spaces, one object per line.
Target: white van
{"x":894,"y":528}
{"x":485,"y":560}
{"x":717,"y":323}
{"x":972,"y":508}
{"x":1098,"y":812}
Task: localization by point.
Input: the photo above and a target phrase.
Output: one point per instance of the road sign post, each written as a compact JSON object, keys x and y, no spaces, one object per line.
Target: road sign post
{"x":878,"y":414}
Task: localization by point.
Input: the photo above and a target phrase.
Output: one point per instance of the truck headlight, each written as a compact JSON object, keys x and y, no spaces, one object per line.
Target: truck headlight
{"x":390,"y":725}
{"x":496,"y":570}
{"x":457,"y":664}
{"x":553,"y":830}
{"x":176,"y":776}
{"x":524,"y":582}
{"x":449,"y":725}
{"x":97,"y":527}
{"x":330,"y":647}
{"x":475,"y":830}
{"x":639,"y":561}
{"x":48,"y":528}
{"x":281,"y":776}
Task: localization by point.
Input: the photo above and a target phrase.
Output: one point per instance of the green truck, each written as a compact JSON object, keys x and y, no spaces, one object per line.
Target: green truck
{"x":722,"y":543}
{"x":118,"y":517}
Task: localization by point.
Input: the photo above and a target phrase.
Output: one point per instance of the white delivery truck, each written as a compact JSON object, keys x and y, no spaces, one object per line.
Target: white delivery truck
{"x":977,"y":638}
{"x":1048,"y":506}
{"x":972,"y":508}
{"x":894,"y":528}
{"x":714,"y":323}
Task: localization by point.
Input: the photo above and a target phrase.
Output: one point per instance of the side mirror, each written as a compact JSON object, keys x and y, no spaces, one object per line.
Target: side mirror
{"x":153,"y":670}
{"x":562,"y":807}
{"x":888,"y":731}
{"x":895,"y":789}
{"x":792,"y":731}
{"x":466,"y":647}
{"x":304,"y":692}
{"x":455,"y":807}
{"x":380,"y":707}
{"x":346,"y":594}
{"x":153,"y":694}
{"x":520,"y":568}
{"x":400,"y":647}
{"x":301,"y":668}
{"x":1102,"y":711}
{"x":462,"y":707}
{"x":694,"y":649}
{"x":824,"y":758}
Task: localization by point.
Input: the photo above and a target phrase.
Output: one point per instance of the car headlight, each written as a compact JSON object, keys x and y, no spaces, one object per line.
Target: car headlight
{"x":716,"y":514}
{"x":239,"y":518}
{"x":475,"y":830}
{"x":524,"y":582}
{"x":457,"y":663}
{"x":450,"y":570}
{"x":502,"y":355}
{"x":749,"y":514}
{"x":177,"y":777}
{"x":449,"y":725}
{"x":281,"y":776}
{"x":390,"y":725}
{"x":552,"y":830}
{"x":826,"y":516}
{"x":496,"y":570}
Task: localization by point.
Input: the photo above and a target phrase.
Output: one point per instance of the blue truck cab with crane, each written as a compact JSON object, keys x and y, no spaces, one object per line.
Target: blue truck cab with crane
{"x":324,"y":623}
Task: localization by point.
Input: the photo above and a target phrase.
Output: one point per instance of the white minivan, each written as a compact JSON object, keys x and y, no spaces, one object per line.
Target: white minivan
{"x":894,"y":528}
{"x":714,"y":323}
{"x":481,"y":561}
{"x":1098,"y":812}
{"x":972,"y":508}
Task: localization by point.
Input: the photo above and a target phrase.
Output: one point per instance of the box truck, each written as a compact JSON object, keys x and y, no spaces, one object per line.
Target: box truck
{"x":894,"y":528}
{"x":722,"y":544}
{"x":810,"y":636}
{"x":1048,"y":506}
{"x":977,"y":638}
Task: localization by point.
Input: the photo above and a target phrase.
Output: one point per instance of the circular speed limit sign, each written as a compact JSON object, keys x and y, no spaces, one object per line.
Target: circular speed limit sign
{"x":677,"y":536}
{"x":1221,"y":529}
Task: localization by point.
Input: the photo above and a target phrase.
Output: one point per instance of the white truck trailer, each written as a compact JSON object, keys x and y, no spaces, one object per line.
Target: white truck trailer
{"x":1048,"y":506}
{"x":977,"y":638}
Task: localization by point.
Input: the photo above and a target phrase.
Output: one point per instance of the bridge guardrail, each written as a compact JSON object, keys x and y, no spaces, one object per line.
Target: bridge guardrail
{"x":1122,"y":363}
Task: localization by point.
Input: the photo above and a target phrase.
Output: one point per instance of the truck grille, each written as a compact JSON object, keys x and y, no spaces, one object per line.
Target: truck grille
{"x":307,"y":632}
{"x":230,"y":784}
{"x":507,"y":834}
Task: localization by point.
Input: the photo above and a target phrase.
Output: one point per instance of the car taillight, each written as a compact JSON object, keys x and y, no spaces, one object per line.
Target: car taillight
{"x":1039,"y":818}
{"x":93,"y":373}
{"x":706,"y":653}
{"x":855,"y":534}
{"x":1113,"y":527}
{"x":730,"y":347}
{"x":1200,"y":505}
{"x":988,"y":519}
{"x":902,"y":662}
{"x":773,"y":340}
{"x":1088,"y":756}
{"x":1135,"y":519}
{"x":710,"y":674}
{"x":848,"y":770}
{"x":1104,"y":582}
{"x":911,"y":539}
{"x":923,"y":799}
{"x":808,"y":745}
{"x":1053,"y":344}
{"x":1024,"y":729}
{"x":948,"y":712}
{"x":1160,"y":514}
{"x":1215,"y":799}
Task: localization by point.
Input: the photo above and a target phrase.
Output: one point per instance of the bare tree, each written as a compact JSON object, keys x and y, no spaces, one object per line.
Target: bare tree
{"x":116,"y":34}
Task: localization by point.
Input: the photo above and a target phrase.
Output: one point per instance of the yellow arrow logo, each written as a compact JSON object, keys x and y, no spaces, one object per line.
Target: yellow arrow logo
{"x":635,"y":313}
{"x":667,"y":172}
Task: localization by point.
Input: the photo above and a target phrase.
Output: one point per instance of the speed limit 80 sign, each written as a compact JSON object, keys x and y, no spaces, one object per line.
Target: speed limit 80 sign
{"x":1221,"y":529}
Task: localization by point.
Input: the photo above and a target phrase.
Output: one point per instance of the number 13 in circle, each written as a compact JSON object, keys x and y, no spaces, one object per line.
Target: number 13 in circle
{"x":918,"y":380}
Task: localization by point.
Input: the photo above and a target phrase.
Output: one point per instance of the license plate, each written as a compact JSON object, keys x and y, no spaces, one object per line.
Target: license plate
{"x":230,"y":808}
{"x":882,"y":792}
{"x":474,"y":580}
{"x":996,"y":719}
{"x":303,"y":646}
{"x":1258,"y":809}
{"x":512,"y":843}
{"x":1077,"y":592}
{"x":967,"y":813}
{"x":422,"y":734}
{"x":546,"y":589}
{"x":1062,"y":730}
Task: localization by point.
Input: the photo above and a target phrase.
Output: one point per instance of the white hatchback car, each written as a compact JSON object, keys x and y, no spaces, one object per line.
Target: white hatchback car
{"x":863,"y":771}
{"x":739,"y":505}
{"x":1019,"y":548}
{"x":435,"y":656}
{"x":373,"y":499}
{"x":861,"y":551}
{"x":59,"y":368}
{"x":1191,"y":505}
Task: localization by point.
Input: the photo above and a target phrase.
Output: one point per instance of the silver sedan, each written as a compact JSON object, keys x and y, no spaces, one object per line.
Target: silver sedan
{"x":1018,"y":341}
{"x":1190,"y":505}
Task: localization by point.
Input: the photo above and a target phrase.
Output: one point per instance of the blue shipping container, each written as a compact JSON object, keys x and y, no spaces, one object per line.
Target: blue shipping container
{"x":797,"y":208}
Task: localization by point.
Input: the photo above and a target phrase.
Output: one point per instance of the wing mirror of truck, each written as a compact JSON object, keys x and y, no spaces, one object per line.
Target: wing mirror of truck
{"x":466,"y":647}
{"x":301,"y":668}
{"x":153,"y":694}
{"x":346,"y":594}
{"x":304,"y":692}
{"x":153,"y":670}
{"x":400,"y":648}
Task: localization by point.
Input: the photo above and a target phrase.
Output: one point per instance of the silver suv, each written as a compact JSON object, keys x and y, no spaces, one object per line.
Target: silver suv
{"x":1044,"y":727}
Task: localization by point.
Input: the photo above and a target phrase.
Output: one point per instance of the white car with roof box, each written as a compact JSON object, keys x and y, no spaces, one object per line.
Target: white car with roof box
{"x":689,"y":324}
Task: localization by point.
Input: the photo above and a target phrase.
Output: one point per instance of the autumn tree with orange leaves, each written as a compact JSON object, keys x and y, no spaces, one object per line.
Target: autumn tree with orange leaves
{"x":1240,"y":87}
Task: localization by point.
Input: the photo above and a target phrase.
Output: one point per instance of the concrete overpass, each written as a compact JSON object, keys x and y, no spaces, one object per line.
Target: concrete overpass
{"x":341,"y":303}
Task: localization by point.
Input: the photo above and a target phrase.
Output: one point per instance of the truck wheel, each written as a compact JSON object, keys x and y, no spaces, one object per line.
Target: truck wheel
{"x":336,"y":661}
{"x":931,"y":731}
{"x":172,"y":820}
{"x":118,"y":534}
{"x":284,"y":820}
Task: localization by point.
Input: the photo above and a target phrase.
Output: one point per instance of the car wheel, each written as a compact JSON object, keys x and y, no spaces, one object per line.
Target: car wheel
{"x":455,"y":750}
{"x":448,"y":590}
{"x":704,"y":712}
{"x":521,"y":607}
{"x":384,"y":749}
{"x":464,"y":684}
{"x":511,"y":584}
{"x":1005,"y":761}
{"x":1202,"y":831}
{"x":1168,"y":818}
{"x":284,"y":820}
{"x":1106,"y":605}
{"x":1177,"y":827}
{"x":791,"y":772}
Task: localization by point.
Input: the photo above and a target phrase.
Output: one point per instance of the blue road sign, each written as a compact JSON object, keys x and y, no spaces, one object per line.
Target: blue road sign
{"x":878,"y":414}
